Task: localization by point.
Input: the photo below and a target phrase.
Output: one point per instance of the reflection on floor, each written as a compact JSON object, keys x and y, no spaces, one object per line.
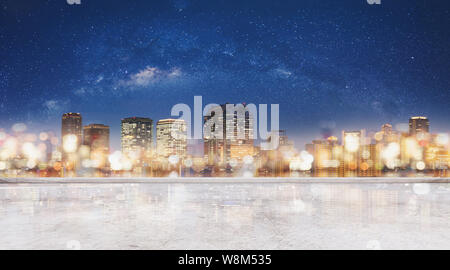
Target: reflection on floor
{"x":225,"y":216}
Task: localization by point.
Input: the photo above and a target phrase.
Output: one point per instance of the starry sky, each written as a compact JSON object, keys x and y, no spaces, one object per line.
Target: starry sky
{"x":331,"y":65}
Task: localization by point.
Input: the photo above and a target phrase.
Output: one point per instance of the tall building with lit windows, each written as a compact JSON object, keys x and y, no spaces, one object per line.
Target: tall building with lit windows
{"x":96,"y":137}
{"x":273,"y":154}
{"x":72,"y":125}
{"x":370,"y":161}
{"x":418,"y":124}
{"x":352,"y":142}
{"x":230,"y":136}
{"x":387,"y":134}
{"x":386,"y":129}
{"x":171,"y":138}
{"x":71,"y":133}
{"x":137,"y":137}
{"x":326,"y":156}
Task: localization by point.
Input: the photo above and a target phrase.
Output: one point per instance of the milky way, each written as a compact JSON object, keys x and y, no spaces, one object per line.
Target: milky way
{"x":346,"y":63}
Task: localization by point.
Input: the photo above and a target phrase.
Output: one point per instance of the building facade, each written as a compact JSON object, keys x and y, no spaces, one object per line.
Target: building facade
{"x":418,"y":124}
{"x":96,"y":137}
{"x":229,"y":134}
{"x":71,"y":125}
{"x":137,"y":137}
{"x":327,"y":156}
{"x":352,"y":149}
{"x":71,"y":135}
{"x":171,"y":138}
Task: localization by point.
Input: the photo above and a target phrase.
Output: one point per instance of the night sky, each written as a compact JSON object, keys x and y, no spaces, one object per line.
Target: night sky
{"x":337,"y":64}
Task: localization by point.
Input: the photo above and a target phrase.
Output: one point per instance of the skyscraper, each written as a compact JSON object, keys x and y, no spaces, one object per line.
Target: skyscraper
{"x":171,"y":138}
{"x":387,"y":135}
{"x":71,"y":125}
{"x":71,"y":133}
{"x":282,"y":140}
{"x":137,"y":137}
{"x":370,"y":160}
{"x":418,"y":124}
{"x":352,"y":142}
{"x":229,"y":134}
{"x":96,"y":137}
{"x":326,"y":159}
{"x":386,"y":129}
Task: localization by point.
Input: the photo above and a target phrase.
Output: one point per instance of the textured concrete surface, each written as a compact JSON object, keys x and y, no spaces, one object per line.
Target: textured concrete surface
{"x":225,"y":215}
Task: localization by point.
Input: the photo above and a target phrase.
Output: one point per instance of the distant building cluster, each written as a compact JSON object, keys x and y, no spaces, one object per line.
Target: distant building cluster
{"x":227,"y":149}
{"x":404,"y":151}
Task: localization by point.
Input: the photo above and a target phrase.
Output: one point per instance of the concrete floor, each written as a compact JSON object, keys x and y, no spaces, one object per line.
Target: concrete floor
{"x":239,"y":215}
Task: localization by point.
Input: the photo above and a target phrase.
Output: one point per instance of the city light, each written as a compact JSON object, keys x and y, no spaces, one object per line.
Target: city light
{"x":351,"y":143}
{"x":70,"y":143}
{"x":84,"y":151}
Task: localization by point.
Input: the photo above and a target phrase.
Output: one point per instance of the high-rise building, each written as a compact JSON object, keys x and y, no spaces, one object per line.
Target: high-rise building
{"x":137,"y":137}
{"x":230,"y":136}
{"x":386,"y":129}
{"x":322,"y":152}
{"x":370,"y":160}
{"x":274,"y":155}
{"x":418,"y":124}
{"x":96,"y":137}
{"x":326,"y":157}
{"x":71,"y":133}
{"x":71,"y":125}
{"x":352,"y":142}
{"x":277,"y":139}
{"x":171,"y":138}
{"x":387,"y":135}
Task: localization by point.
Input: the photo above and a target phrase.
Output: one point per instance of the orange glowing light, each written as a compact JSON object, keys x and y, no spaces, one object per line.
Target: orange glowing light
{"x":57,"y":166}
{"x":352,"y":166}
{"x":364,"y":166}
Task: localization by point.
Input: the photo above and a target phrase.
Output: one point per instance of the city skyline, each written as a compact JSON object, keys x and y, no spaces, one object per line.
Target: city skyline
{"x":229,"y":148}
{"x":386,"y":133}
{"x":399,"y":128}
{"x":331,"y":66}
{"x":209,"y":128}
{"x":328,"y":129}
